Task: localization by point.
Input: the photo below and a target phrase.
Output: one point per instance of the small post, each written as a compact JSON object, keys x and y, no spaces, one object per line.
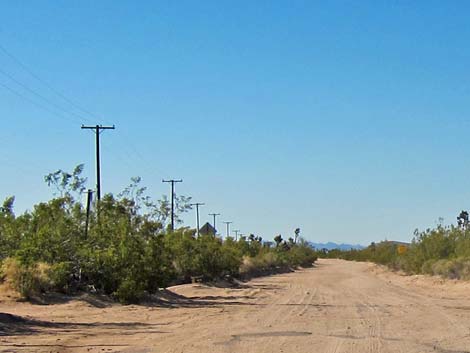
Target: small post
{"x":88,"y":206}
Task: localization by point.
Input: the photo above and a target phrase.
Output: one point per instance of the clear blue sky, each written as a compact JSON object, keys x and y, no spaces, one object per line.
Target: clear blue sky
{"x":348,"y":119}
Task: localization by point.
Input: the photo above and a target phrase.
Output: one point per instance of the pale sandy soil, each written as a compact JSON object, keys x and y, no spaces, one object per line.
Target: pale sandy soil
{"x":336,"y":307}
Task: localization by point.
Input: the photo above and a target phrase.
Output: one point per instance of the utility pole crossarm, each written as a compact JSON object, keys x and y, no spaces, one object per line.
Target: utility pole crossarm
{"x":101,"y":127}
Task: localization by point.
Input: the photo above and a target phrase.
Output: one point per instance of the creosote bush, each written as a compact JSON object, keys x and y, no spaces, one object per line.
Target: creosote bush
{"x":443,"y":251}
{"x":28,"y":280}
{"x":128,"y":251}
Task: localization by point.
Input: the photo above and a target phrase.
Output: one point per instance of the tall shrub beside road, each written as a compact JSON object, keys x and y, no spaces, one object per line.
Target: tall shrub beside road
{"x":443,"y":251}
{"x":128,"y":251}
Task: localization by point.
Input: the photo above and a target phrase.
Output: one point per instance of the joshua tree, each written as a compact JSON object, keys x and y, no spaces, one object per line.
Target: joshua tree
{"x":297,"y":234}
{"x":462,"y":220}
{"x":278,"y":239}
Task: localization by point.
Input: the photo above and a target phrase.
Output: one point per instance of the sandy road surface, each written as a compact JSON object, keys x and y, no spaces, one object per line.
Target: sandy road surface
{"x":336,"y":307}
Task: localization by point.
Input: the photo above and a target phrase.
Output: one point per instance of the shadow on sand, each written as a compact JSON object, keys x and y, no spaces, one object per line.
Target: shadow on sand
{"x":12,"y":325}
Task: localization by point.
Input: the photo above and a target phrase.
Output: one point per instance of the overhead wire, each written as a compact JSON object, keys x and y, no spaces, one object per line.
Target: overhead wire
{"x":73,"y":103}
{"x":45,"y":83}
{"x":71,"y":115}
{"x":40,"y":96}
{"x":42,"y":106}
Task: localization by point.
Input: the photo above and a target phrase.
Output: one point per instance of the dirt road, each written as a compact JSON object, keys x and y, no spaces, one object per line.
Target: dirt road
{"x":336,"y":307}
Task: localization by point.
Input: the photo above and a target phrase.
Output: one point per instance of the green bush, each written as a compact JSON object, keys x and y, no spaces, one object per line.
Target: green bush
{"x":129,"y":291}
{"x":464,"y":271}
{"x":59,"y":276}
{"x":443,"y":251}
{"x":452,"y":268}
{"x":301,"y":255}
{"x":279,"y":258}
{"x":427,"y":267}
{"x":27,"y":280}
{"x":262,"y":263}
{"x":127,"y":249}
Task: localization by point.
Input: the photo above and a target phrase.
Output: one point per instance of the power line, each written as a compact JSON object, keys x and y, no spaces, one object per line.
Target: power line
{"x":46,"y":84}
{"x":74,"y":104}
{"x":130,"y":157}
{"x":133,"y":150}
{"x":15,"y":92}
{"x":40,"y":96}
{"x":56,"y":106}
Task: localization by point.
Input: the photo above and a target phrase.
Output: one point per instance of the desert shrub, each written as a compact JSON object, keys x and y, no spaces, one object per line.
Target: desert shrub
{"x":129,"y":291}
{"x":215,"y":259}
{"x":301,"y":255}
{"x":427,"y":267}
{"x":453,"y":268}
{"x":59,"y":276}
{"x":127,"y":249}
{"x":445,"y":268}
{"x":268,"y":260}
{"x":10,"y":271}
{"x":464,"y":270}
{"x":260,"y":264}
{"x":247,"y":266}
{"x":182,"y":248}
{"x":443,"y":251}
{"x":27,"y":280}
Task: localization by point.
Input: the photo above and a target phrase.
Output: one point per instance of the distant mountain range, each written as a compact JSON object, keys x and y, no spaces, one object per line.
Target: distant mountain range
{"x":331,"y":246}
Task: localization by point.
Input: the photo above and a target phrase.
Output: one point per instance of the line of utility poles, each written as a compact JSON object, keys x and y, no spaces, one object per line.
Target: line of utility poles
{"x":197,"y":204}
{"x":98,"y":129}
{"x":173,"y":182}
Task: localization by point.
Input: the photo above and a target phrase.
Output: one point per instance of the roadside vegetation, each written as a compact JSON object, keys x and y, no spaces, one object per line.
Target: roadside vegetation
{"x":128,"y":251}
{"x":442,"y":251}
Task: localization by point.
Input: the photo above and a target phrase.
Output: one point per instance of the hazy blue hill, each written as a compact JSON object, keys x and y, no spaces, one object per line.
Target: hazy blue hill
{"x":331,"y":245}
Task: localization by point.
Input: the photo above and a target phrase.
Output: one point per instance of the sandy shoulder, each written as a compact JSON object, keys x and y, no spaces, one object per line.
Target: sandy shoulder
{"x":336,"y":307}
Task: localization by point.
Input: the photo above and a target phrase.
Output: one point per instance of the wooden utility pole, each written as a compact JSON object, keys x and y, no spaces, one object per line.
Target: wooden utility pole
{"x":236,"y":231}
{"x":228,"y":228}
{"x":172,"y":181}
{"x":98,"y":129}
{"x":197,"y":204}
{"x":214,"y":215}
